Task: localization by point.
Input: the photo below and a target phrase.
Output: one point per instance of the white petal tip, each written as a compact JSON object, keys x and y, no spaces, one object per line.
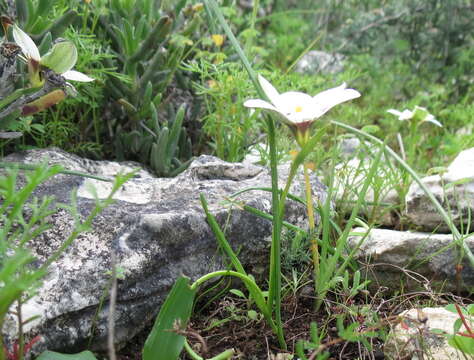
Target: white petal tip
{"x":394,"y":112}
{"x":76,"y":76}
{"x":258,"y":103}
{"x":434,"y":121}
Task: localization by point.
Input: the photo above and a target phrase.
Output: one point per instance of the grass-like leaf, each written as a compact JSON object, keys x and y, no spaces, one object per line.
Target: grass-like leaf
{"x":163,"y":343}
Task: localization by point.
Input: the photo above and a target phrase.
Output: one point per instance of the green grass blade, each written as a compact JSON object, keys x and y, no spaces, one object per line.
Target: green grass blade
{"x":333,"y":267}
{"x":223,"y":243}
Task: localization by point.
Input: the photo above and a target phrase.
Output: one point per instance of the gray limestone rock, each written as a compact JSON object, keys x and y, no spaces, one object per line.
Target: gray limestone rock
{"x":454,"y":190}
{"x":392,"y":256}
{"x":319,"y":61}
{"x":158,"y":232}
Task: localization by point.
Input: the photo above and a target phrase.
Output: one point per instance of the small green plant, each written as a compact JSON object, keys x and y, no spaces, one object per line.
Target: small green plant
{"x":409,"y":148}
{"x":36,"y":18}
{"x":223,"y":88}
{"x":317,"y":349}
{"x":45,"y":80}
{"x":164,"y":145}
{"x":149,"y":43}
{"x":20,"y":279}
{"x":349,"y":291}
{"x":314,"y":344}
{"x":462,"y":340}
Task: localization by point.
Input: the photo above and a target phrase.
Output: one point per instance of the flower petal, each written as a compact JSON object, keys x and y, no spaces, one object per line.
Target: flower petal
{"x":28,"y":47}
{"x":332,"y":97}
{"x":430,"y":118}
{"x":394,"y":112}
{"x":260,"y":104}
{"x":76,"y":76}
{"x":293,"y":98}
{"x":268,"y":89}
{"x":406,"y":115}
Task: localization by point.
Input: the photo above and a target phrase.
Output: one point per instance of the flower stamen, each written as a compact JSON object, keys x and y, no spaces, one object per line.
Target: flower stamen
{"x":298,"y":109}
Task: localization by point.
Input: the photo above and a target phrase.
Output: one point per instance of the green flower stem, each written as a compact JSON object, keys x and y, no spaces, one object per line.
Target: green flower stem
{"x":274,"y":293}
{"x":67,"y":172}
{"x":257,"y":293}
{"x":310,"y":210}
{"x":458,"y":238}
{"x":266,"y":216}
{"x":274,"y":298}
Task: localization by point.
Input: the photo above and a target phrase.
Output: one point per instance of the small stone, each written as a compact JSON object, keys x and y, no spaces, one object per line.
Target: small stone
{"x":415,"y":339}
{"x":454,"y":190}
{"x":320,"y":62}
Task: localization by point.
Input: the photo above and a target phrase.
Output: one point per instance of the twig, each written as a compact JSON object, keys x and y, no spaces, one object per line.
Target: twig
{"x":377,"y":23}
{"x":21,"y":335}
{"x":463,"y":319}
{"x":112,"y":304}
{"x":194,"y":334}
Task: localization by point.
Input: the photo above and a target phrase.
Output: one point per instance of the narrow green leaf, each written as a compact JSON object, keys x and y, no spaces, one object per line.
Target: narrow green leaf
{"x":163,"y":343}
{"x":158,"y":153}
{"x":175,"y":132}
{"x":58,"y":27}
{"x":147,"y":94}
{"x":22,"y":10}
{"x":43,"y":7}
{"x":157,"y":35}
{"x":253,"y":289}
{"x":463,"y":343}
{"x":223,"y":243}
{"x":15,"y":95}
{"x":180,"y":168}
{"x":51,"y":355}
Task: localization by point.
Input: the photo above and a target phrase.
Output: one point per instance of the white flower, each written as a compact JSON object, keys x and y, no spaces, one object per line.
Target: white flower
{"x":297,"y":108}
{"x":61,"y":58}
{"x":418,"y":112}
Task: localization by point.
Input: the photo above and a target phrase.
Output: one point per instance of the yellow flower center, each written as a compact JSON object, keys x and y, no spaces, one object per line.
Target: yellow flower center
{"x":298,"y":109}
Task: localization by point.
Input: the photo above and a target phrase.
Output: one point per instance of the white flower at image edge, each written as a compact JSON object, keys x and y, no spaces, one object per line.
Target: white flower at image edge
{"x":31,"y":53}
{"x":422,"y":112}
{"x":297,"y":108}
